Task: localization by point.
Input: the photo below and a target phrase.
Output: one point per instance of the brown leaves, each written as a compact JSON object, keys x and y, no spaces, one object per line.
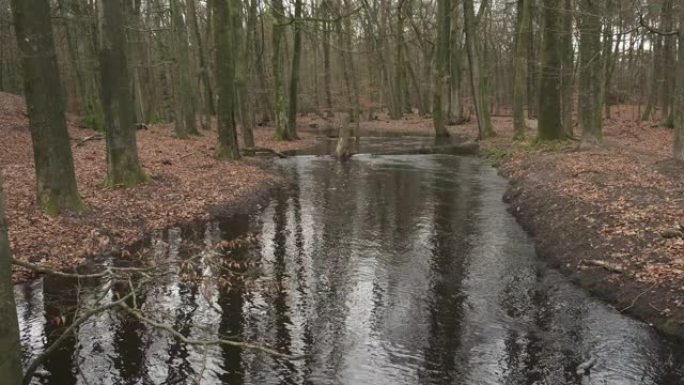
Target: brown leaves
{"x":181,"y":188}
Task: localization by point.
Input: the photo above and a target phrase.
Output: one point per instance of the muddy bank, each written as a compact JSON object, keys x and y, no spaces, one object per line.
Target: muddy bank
{"x":574,"y":236}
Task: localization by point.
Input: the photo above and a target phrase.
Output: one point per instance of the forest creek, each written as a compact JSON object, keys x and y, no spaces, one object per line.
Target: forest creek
{"x":175,"y":205}
{"x":342,"y":192}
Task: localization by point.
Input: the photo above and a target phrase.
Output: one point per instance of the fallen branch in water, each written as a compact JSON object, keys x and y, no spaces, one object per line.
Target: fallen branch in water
{"x":217,"y":341}
{"x":255,"y":150}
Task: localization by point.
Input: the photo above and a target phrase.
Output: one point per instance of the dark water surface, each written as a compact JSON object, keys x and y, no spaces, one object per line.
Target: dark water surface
{"x":384,"y":270}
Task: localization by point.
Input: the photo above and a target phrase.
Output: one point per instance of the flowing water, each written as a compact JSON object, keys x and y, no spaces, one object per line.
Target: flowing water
{"x":383,"y":270}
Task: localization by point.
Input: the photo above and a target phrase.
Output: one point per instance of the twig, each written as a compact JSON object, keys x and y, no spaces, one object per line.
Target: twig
{"x":205,"y":354}
{"x":187,"y":155}
{"x":637,"y":297}
{"x":253,"y":150}
{"x":205,"y":343}
{"x":84,"y":139}
{"x":44,"y":270}
{"x":612,"y":267}
{"x":57,"y":343}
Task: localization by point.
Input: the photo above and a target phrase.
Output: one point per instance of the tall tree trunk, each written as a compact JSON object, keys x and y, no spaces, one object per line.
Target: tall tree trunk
{"x":10,"y":354}
{"x":402,"y":96}
{"x":455,"y":68}
{"x":55,"y":179}
{"x":567,"y":68}
{"x":279,"y":102}
{"x":123,"y":167}
{"x":184,"y":114}
{"x":550,"y":124}
{"x":348,"y":71}
{"x":678,"y":147}
{"x":224,"y":35}
{"x":441,"y":77}
{"x":294,"y":75}
{"x":656,"y":75}
{"x":533,"y":62}
{"x":591,"y":119}
{"x":326,"y":59}
{"x":203,"y":60}
{"x":520,"y":69}
{"x":246,"y":77}
{"x":668,"y":63}
{"x":135,"y":47}
{"x":477,"y":82}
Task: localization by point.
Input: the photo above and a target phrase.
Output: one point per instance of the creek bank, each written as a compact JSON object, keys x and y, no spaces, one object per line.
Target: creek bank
{"x":615,"y":240}
{"x":186,"y":184}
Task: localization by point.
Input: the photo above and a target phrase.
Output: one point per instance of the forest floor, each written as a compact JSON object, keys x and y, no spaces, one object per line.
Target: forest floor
{"x":187,"y":183}
{"x":610,"y":217}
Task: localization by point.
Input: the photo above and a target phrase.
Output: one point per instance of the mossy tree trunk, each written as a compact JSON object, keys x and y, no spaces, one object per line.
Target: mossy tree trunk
{"x":550,"y":117}
{"x":668,"y":62}
{"x":478,"y":82}
{"x":10,"y":354}
{"x":344,"y":33}
{"x":123,"y":167}
{"x":327,"y":73}
{"x":55,"y":179}
{"x":590,"y":101}
{"x":520,"y":69}
{"x":224,"y":40}
{"x":246,"y":75}
{"x":533,"y":44}
{"x":203,"y":60}
{"x":678,"y":112}
{"x":279,"y":103}
{"x":441,"y":78}
{"x":294,"y":75}
{"x":184,"y":111}
{"x":136,"y":47}
{"x":567,"y":68}
{"x":455,"y":103}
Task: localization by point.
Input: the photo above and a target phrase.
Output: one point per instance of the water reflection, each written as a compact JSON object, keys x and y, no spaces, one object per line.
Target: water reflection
{"x":383,"y":270}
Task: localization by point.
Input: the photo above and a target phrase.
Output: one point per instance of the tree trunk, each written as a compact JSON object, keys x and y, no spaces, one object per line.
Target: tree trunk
{"x":10,"y":354}
{"x":550,"y":124}
{"x":455,"y":68}
{"x":246,"y":77}
{"x":135,"y":48}
{"x":348,"y":72}
{"x":679,"y":92}
{"x":277,"y":12}
{"x":203,"y":60}
{"x":343,"y":150}
{"x":520,"y":69}
{"x":184,"y":111}
{"x":55,"y":179}
{"x":533,"y":62}
{"x":567,"y":68}
{"x":294,"y":75}
{"x":224,"y":30}
{"x":477,"y":82}
{"x":441,"y":77}
{"x":326,"y":60}
{"x":590,"y":113}
{"x":668,"y":58}
{"x":123,"y":167}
